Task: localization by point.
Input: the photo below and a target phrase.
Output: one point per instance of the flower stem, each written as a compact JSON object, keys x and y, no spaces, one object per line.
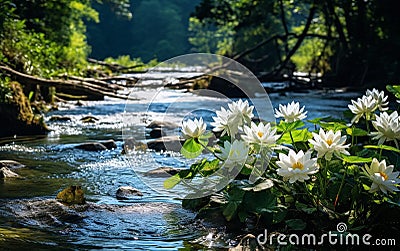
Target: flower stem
{"x":213,"y":153}
{"x":340,"y":188}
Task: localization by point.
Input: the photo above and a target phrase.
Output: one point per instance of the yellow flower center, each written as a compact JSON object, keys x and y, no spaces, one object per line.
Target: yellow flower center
{"x":384,"y":175}
{"x":329,"y":142}
{"x":260,"y":134}
{"x":298,"y":165}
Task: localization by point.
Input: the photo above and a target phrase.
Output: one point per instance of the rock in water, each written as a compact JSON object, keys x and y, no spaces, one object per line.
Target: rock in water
{"x":89,"y":119}
{"x":11,"y":164}
{"x":168,"y":143}
{"x":7,"y":173}
{"x":157,"y":133}
{"x":72,"y":195}
{"x":162,"y":172}
{"x":162,"y":124}
{"x":127,"y":192}
{"x":91,"y":146}
{"x":109,"y":144}
{"x":58,"y":118}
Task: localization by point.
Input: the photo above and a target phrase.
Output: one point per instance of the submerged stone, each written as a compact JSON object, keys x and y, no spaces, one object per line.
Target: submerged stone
{"x":72,"y":195}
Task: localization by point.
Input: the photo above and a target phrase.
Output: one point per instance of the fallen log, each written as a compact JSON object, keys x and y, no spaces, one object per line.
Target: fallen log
{"x":74,"y":87}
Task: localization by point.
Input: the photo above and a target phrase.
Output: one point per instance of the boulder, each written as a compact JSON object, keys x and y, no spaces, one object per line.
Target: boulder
{"x":127,"y":192}
{"x":168,"y":143}
{"x":91,"y":146}
{"x":162,"y":124}
{"x":157,"y":133}
{"x":109,"y":144}
{"x":58,"y":118}
{"x":72,"y":195}
{"x":11,"y":164}
{"x":7,"y":173}
{"x":162,"y":172}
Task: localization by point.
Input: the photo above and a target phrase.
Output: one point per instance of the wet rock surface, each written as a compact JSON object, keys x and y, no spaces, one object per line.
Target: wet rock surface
{"x":72,"y":195}
{"x":91,"y":146}
{"x":127,"y":192}
{"x":109,"y":144}
{"x":162,"y":124}
{"x":58,"y":118}
{"x":168,"y":143}
{"x":162,"y":172}
{"x":11,"y":164}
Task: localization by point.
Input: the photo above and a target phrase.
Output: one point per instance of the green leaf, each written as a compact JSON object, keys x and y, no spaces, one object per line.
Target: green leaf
{"x":302,"y":135}
{"x":230,"y":210}
{"x":265,"y":184}
{"x":395,"y":89}
{"x":334,"y":126}
{"x":305,"y":208}
{"x":209,"y":167}
{"x":384,"y":147}
{"x":296,"y":224}
{"x":357,"y":132}
{"x":355,"y":159}
{"x":172,"y":181}
{"x":317,"y":120}
{"x":191,"y":148}
{"x":289,"y":126}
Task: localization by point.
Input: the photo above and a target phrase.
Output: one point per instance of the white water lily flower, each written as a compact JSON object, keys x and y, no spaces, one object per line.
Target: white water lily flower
{"x":193,"y":128}
{"x":261,"y":134}
{"x":225,"y":122}
{"x":235,"y":153}
{"x":329,"y":143}
{"x":382,"y":176}
{"x":380,"y":99}
{"x":388,"y":128}
{"x":291,"y":112}
{"x":242,"y":111}
{"x":296,"y":166}
{"x":364,"y":106}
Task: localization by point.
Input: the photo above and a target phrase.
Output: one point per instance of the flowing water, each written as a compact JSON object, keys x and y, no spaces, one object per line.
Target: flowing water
{"x":31,"y":218}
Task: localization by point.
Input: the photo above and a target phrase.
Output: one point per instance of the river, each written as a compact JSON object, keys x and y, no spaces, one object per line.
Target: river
{"x":30,"y":218}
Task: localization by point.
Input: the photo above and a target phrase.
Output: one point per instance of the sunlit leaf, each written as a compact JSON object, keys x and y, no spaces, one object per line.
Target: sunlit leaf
{"x":355,"y":159}
{"x":191,"y":148}
{"x":172,"y":181}
{"x":384,"y":147}
{"x":289,"y":126}
{"x":357,"y":132}
{"x":302,"y":135}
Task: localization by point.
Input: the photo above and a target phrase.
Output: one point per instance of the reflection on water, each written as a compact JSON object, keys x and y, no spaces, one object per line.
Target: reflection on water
{"x":30,"y":218}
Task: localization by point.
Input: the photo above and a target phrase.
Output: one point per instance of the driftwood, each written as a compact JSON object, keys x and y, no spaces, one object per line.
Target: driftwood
{"x":114,"y":67}
{"x":75,"y":86}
